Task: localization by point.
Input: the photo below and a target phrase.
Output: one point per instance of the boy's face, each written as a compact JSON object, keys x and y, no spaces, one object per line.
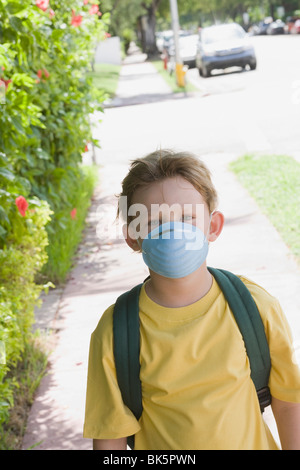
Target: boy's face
{"x":173,"y":199}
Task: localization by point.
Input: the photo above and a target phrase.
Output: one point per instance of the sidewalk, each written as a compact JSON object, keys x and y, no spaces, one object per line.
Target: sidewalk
{"x":139,"y":82}
{"x":106,"y":268}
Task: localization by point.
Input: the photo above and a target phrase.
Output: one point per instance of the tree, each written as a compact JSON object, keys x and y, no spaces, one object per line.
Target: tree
{"x":142,"y":15}
{"x":138,"y":15}
{"x":147,"y":25}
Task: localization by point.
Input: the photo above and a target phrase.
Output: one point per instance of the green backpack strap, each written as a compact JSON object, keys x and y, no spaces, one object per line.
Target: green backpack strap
{"x":249,"y":321}
{"x":126,"y":338}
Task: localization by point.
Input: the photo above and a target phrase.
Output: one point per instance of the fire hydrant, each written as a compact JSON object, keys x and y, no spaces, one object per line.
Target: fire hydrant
{"x":180,"y":75}
{"x":165,"y":59}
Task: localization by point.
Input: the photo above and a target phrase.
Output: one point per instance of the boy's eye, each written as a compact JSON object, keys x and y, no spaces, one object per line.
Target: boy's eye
{"x":186,"y":218}
{"x":154,"y":223}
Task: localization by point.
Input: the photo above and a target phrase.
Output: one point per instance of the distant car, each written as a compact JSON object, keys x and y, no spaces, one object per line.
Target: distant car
{"x":276,"y":27}
{"x":292,"y":25}
{"x":159,"y":41}
{"x":187,"y":49}
{"x":165,"y":41}
{"x":224,"y":46}
{"x":262,"y":27}
{"x":296,"y":27}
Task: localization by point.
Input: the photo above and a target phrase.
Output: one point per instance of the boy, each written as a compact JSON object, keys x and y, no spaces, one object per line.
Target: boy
{"x":196,"y":385}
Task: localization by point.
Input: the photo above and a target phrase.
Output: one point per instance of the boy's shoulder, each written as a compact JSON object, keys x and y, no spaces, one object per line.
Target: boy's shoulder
{"x":256,"y":289}
{"x":104,"y":326}
{"x":265,"y":301}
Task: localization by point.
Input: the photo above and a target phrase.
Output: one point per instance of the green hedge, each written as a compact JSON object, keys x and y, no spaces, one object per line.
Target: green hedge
{"x":46,"y":98}
{"x":21,"y":259}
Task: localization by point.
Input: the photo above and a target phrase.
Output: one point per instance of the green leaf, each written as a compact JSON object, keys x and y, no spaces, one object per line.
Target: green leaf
{"x":42,"y":154}
{"x":3,"y":232}
{"x":14,"y":7}
{"x":3,"y":215}
{"x":57,"y":34}
{"x":18,"y":125}
{"x":23,"y":79}
{"x":7,"y":174}
{"x":16,"y":23}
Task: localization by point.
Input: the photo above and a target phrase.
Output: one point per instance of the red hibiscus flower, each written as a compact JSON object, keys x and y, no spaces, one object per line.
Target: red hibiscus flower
{"x":40,"y":73}
{"x":93,"y":10}
{"x":22,"y":205}
{"x":42,"y":4}
{"x":6,"y":82}
{"x":73,"y":213}
{"x":76,"y":19}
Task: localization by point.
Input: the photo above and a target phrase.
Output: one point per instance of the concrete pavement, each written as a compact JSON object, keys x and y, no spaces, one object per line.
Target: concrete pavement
{"x":105,"y":267}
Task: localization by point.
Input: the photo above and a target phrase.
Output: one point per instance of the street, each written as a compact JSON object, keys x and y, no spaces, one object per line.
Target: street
{"x":266,"y":100}
{"x":237,"y":112}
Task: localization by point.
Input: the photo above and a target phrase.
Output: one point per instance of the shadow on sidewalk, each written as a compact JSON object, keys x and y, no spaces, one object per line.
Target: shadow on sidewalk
{"x":148,"y":98}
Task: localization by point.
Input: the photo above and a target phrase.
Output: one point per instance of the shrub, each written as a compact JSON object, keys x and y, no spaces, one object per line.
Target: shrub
{"x":69,"y":222}
{"x":46,"y":98}
{"x":22,"y":258}
{"x":45,"y":126}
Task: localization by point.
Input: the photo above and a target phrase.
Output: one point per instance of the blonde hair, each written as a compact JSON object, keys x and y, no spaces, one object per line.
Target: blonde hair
{"x":163,"y":164}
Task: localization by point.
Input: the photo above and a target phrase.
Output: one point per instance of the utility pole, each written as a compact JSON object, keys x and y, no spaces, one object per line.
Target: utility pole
{"x":180,"y":72}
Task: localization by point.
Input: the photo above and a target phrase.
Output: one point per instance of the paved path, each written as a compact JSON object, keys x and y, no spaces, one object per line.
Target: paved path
{"x":104,"y":268}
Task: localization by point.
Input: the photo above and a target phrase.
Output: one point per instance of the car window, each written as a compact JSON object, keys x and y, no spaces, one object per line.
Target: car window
{"x":215,"y":33}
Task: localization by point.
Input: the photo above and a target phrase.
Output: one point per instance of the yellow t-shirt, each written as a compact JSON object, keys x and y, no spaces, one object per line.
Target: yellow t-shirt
{"x":196,"y":385}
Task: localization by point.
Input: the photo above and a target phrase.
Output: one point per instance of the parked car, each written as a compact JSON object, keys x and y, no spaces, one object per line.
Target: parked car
{"x":165,"y":41}
{"x":296,"y":27}
{"x":261,"y":27}
{"x":224,"y":46}
{"x":187,"y":49}
{"x":268,"y":26}
{"x":276,"y":27}
{"x":292,"y":25}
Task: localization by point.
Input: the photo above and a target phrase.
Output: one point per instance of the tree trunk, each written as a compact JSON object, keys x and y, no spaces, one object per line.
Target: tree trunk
{"x":148,"y":25}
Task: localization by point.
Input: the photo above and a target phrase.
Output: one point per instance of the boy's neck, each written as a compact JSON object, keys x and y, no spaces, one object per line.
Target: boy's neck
{"x":181,"y":292}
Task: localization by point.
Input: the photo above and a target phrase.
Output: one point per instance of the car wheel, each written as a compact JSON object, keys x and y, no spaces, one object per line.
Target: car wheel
{"x":253,"y":65}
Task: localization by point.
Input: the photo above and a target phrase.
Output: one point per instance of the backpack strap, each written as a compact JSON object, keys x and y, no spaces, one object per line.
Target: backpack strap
{"x":249,"y":321}
{"x":126,"y":337}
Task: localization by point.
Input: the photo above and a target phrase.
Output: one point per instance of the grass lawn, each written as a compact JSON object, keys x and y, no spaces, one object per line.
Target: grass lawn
{"x":106,"y":77}
{"x":274,"y":182}
{"x":171,"y":79}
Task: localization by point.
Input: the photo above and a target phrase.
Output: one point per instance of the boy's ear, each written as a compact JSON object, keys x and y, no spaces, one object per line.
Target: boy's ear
{"x":216,"y":225}
{"x":131,"y":242}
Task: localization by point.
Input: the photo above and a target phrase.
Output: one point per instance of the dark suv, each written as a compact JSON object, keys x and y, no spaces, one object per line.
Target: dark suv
{"x":223,"y":46}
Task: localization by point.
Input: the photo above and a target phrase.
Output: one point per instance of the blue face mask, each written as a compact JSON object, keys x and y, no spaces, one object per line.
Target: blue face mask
{"x":175,"y":249}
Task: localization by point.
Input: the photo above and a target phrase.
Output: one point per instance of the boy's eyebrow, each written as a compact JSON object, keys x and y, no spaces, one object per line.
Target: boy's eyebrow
{"x":184,"y":208}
